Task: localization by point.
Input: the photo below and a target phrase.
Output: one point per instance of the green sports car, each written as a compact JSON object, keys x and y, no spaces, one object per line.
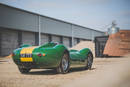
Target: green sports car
{"x":50,"y":56}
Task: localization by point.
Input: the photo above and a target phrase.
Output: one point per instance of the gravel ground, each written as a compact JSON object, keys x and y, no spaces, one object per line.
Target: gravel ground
{"x":102,"y":69}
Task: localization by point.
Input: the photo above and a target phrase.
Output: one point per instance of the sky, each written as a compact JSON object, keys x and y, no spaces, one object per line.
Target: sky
{"x":95,"y":14}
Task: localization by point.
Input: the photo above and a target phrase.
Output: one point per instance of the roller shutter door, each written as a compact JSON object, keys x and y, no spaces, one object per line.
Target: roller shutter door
{"x":66,"y":41}
{"x":55,"y":39}
{"x":44,"y":38}
{"x":75,"y":41}
{"x":28,"y":38}
{"x":8,"y":41}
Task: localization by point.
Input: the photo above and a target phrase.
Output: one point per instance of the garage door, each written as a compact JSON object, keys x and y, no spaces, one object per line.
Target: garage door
{"x":55,"y":39}
{"x":44,"y":38}
{"x":66,"y":41}
{"x":28,"y":38}
{"x":75,"y":41}
{"x":8,"y":42}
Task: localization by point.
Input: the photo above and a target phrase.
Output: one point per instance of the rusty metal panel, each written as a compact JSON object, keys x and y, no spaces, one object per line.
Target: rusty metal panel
{"x":118,"y":44}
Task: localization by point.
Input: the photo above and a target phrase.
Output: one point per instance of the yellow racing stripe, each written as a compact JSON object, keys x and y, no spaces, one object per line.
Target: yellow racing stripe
{"x":28,"y":50}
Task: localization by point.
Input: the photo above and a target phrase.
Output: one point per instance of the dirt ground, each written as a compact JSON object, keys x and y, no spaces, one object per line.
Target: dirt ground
{"x":106,"y":72}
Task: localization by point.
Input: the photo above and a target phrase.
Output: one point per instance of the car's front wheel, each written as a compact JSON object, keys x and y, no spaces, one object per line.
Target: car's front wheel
{"x":24,"y":70}
{"x":64,"y":64}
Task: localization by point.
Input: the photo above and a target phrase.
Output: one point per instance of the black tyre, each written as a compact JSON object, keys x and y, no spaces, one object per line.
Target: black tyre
{"x":64,"y":64}
{"x":24,"y":70}
{"x":89,"y":61}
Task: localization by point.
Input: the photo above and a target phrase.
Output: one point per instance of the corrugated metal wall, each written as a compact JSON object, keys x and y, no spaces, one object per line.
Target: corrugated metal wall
{"x":21,"y":27}
{"x":55,"y":27}
{"x":80,"y":32}
{"x":16,"y":19}
{"x":21,"y":20}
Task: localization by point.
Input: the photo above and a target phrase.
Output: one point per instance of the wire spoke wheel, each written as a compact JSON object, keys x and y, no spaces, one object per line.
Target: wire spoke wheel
{"x":89,"y":61}
{"x":65,"y":62}
{"x":64,"y":65}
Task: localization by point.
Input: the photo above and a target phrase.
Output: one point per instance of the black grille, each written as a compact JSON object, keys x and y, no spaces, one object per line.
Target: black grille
{"x":26,"y":64}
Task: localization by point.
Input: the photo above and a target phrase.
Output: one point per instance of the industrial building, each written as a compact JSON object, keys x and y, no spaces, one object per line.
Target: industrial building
{"x":19,"y":26}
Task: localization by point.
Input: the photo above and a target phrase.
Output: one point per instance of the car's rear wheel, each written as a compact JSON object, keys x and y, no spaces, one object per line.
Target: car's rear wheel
{"x":89,"y":61}
{"x":64,"y":64}
{"x":24,"y":70}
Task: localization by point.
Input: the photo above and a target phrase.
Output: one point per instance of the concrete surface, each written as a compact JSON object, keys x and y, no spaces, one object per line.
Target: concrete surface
{"x":103,"y":74}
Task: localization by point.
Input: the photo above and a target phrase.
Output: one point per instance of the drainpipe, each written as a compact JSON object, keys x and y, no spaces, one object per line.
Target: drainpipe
{"x":72,"y":33}
{"x":92,"y":36}
{"x":39,"y":28}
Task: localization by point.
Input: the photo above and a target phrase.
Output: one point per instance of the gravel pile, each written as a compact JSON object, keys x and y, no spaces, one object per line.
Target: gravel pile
{"x":85,"y":44}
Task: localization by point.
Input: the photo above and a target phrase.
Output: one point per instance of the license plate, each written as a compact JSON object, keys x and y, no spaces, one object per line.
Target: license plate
{"x":26,"y":59}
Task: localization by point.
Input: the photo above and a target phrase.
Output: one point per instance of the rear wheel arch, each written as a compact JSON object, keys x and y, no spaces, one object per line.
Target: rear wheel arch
{"x":66,"y":51}
{"x":89,"y":52}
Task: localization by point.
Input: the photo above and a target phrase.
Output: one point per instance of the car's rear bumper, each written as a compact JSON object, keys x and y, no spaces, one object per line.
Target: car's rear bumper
{"x":35,"y":65}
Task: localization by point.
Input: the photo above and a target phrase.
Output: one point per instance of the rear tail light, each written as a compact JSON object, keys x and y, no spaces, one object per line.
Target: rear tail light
{"x":44,"y":54}
{"x":39,"y":54}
